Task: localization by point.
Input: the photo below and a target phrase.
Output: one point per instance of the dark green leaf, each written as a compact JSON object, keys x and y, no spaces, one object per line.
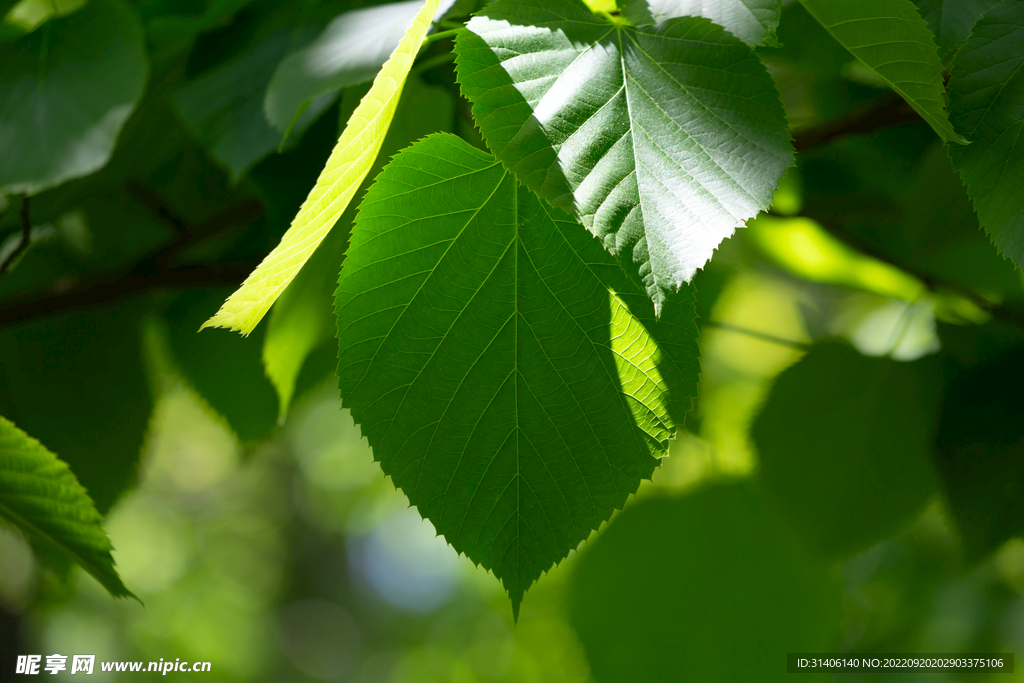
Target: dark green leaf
{"x":76,"y":382}
{"x":951,"y":20}
{"x":752,"y":21}
{"x":844,"y":445}
{"x":41,"y":497}
{"x":66,"y":90}
{"x":663,"y":140}
{"x":980,"y":452}
{"x":509,"y":377}
{"x":986,"y":103}
{"x":890,"y":38}
{"x":706,"y":587}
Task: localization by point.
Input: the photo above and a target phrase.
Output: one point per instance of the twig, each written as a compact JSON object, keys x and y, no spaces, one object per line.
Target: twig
{"x":26,"y":237}
{"x":885,"y":112}
{"x":763,"y":336}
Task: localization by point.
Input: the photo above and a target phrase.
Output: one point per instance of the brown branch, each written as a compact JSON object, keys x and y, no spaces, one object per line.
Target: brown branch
{"x":885,"y":112}
{"x":26,"y":237}
{"x":150,"y":272}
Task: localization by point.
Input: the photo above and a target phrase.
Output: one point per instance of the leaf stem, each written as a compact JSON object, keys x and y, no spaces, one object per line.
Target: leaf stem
{"x":763,"y":336}
{"x":434,"y":37}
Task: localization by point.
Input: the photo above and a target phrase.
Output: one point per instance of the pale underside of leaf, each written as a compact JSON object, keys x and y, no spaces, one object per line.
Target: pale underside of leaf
{"x":346,"y":168}
{"x":752,"y":21}
{"x":40,"y":496}
{"x":891,"y":39}
{"x":510,"y":378}
{"x":986,"y":102}
{"x":662,"y":140}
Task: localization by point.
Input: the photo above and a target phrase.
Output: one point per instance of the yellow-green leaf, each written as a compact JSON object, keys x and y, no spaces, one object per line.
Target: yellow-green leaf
{"x":346,"y":168}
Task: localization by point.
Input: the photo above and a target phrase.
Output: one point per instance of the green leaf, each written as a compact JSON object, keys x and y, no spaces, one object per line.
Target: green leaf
{"x":986,"y":102}
{"x":710,"y":586}
{"x":752,"y":21}
{"x":663,"y":140}
{"x":76,"y":382}
{"x":348,"y":165}
{"x":844,"y":445}
{"x":980,"y":450}
{"x":65,"y":92}
{"x":510,"y":378}
{"x":223,"y":107}
{"x":41,"y":497}
{"x":351,"y":50}
{"x":302,"y":318}
{"x":951,"y":20}
{"x":890,"y":38}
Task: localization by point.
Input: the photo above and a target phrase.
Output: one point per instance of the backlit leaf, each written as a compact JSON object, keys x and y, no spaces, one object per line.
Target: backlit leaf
{"x":511,"y":379}
{"x":348,"y":164}
{"x":663,"y":140}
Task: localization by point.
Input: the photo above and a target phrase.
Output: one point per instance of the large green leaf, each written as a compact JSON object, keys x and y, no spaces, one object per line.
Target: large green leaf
{"x":844,"y":445}
{"x":951,"y":20}
{"x":65,"y":92}
{"x":303,"y":317}
{"x":509,"y":376}
{"x":350,"y":50}
{"x":663,"y":140}
{"x":41,"y":497}
{"x":346,"y":168}
{"x":709,"y":586}
{"x":986,"y":103}
{"x":752,"y":21}
{"x":891,"y":39}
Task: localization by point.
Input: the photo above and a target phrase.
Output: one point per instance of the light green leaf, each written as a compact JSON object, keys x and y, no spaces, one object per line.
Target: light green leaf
{"x":303,"y":317}
{"x":223,"y":107}
{"x":951,"y":20}
{"x":844,"y":444}
{"x":891,"y":39}
{"x":65,"y":92}
{"x":350,"y":50}
{"x":41,"y":497}
{"x":348,"y":164}
{"x":709,"y":586}
{"x":511,"y":379}
{"x":752,"y":21}
{"x":986,"y":102}
{"x":663,"y":140}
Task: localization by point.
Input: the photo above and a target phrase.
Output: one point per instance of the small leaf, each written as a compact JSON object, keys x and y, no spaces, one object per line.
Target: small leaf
{"x":67,"y":90}
{"x":891,"y":39}
{"x":663,"y":140}
{"x":349,"y":163}
{"x":752,"y":21}
{"x":41,"y":497}
{"x":709,"y":586}
{"x":351,"y":50}
{"x":844,"y":444}
{"x":510,"y":378}
{"x":986,"y":102}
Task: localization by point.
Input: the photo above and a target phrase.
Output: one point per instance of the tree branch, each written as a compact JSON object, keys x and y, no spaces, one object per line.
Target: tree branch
{"x":885,"y":112}
{"x":26,"y":237}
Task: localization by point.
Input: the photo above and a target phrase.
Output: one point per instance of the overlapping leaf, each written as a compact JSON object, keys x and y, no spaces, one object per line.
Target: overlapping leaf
{"x":40,"y":496}
{"x":346,"y":168}
{"x":986,"y":103}
{"x":891,"y":39}
{"x":662,"y":140}
{"x":65,"y":92}
{"x":951,"y":20}
{"x":752,"y":21}
{"x":508,"y":375}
